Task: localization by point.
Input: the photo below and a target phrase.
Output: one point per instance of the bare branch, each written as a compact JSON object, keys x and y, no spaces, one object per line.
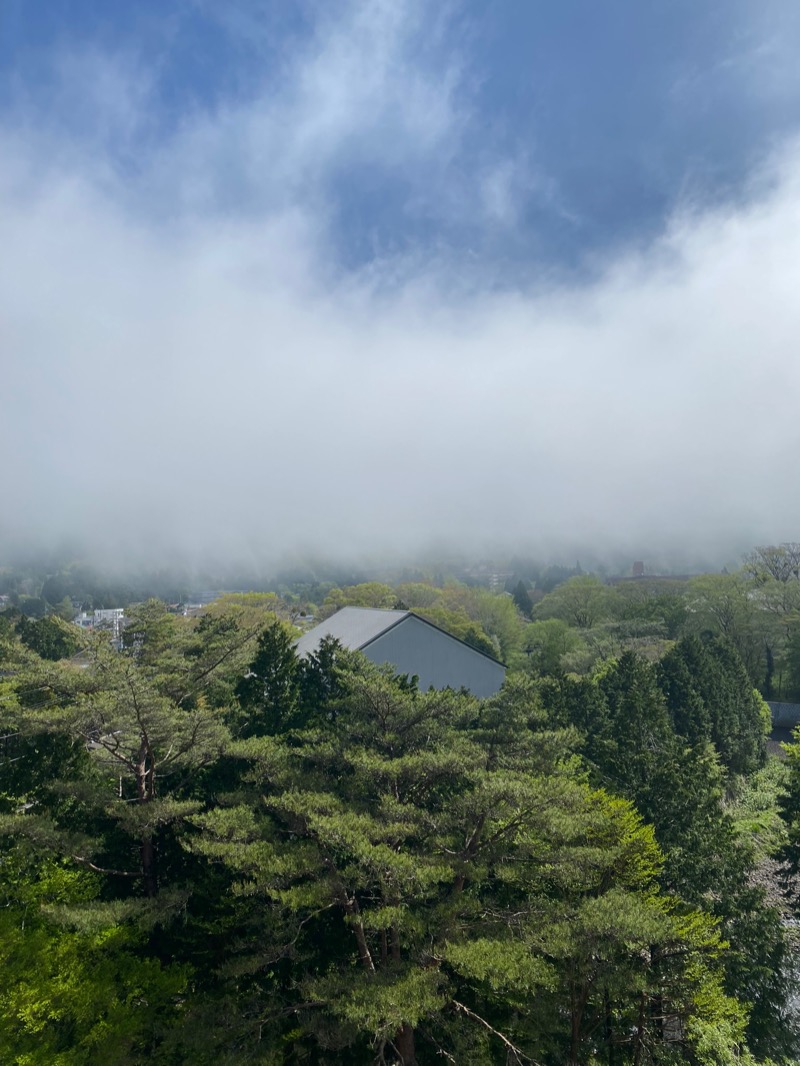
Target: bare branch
{"x":512,"y":1048}
{"x":103,"y":869}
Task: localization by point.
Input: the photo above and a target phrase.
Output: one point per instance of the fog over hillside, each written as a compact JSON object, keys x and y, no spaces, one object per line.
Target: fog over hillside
{"x":195,"y":367}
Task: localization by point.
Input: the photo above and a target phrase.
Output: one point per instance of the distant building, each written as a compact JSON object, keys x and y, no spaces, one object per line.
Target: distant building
{"x":638,"y":569}
{"x":412,"y":646}
{"x":110,"y":618}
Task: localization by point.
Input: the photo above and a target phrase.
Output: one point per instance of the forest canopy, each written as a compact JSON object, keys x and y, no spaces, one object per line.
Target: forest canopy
{"x":215,"y":852}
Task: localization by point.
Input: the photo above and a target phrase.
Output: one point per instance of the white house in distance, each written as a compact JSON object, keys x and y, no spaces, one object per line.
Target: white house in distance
{"x":110,"y":618}
{"x":412,"y":646}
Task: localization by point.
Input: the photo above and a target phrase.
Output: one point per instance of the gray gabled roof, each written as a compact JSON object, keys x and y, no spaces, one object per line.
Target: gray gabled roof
{"x":356,"y":628}
{"x":353,"y":627}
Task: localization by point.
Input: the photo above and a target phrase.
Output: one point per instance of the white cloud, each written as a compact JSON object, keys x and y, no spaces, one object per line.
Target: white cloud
{"x":357,"y":93}
{"x":194,"y":386}
{"x":208,"y":382}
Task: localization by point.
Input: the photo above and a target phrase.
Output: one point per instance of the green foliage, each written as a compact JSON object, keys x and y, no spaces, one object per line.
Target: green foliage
{"x":793,"y":661}
{"x":710,"y":698}
{"x":214,"y":854}
{"x":455,"y":867}
{"x":498,"y":616}
{"x":460,"y":625}
{"x":485,"y":620}
{"x":51,"y":638}
{"x":71,"y":998}
{"x":367,"y":594}
{"x":547,"y":643}
{"x":581,"y":602}
{"x":506,"y":967}
{"x":522,"y":599}
{"x":651,"y":601}
{"x":145,"y":731}
{"x":790,"y":813}
{"x":756,"y":805}
{"x":417,"y":596}
{"x":648,"y":735}
{"x":270,"y":690}
{"x":722,"y":604}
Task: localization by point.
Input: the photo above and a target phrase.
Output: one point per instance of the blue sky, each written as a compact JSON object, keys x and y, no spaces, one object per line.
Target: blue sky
{"x":585,"y":124}
{"x":530,"y":207}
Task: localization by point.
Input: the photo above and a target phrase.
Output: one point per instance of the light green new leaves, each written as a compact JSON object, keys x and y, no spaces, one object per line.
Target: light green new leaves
{"x":381,"y":1006}
{"x":506,"y":966}
{"x":74,"y":997}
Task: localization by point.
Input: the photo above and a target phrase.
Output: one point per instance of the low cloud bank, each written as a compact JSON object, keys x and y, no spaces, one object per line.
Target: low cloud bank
{"x":210,"y":383}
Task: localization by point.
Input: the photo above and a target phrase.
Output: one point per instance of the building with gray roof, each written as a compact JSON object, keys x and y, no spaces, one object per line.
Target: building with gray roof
{"x":412,"y":646}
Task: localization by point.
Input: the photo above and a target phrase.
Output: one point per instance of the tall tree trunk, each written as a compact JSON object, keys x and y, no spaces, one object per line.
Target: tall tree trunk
{"x":575,"y":1032}
{"x":637,"y":1057}
{"x":404,"y":1037}
{"x":609,"y":1026}
{"x":145,"y":789}
{"x":149,"y":867}
{"x":349,"y":905}
{"x":578,"y":1001}
{"x":404,"y":1042}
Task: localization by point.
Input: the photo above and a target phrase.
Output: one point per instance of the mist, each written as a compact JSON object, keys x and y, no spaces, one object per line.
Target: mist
{"x":190,"y":371}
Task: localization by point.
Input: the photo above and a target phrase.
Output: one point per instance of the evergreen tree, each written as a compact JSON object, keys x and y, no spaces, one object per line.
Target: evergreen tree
{"x":75,"y":992}
{"x":144,"y":729}
{"x":269,"y":691}
{"x":523,"y":600}
{"x":362,"y":872}
{"x":51,"y":638}
{"x":436,"y":879}
{"x":633,"y":748}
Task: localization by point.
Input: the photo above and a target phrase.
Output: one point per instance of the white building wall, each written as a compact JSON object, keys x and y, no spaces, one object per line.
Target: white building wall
{"x":441,"y":661}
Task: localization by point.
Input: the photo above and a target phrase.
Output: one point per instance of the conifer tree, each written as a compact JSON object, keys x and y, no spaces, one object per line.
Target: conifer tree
{"x":435,"y":879}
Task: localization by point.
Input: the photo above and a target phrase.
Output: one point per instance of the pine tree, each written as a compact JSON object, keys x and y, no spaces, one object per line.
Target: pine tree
{"x":523,"y":600}
{"x":432,"y":877}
